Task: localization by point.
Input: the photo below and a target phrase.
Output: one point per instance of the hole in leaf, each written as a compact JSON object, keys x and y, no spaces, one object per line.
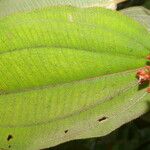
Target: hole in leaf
{"x":66,"y":131}
{"x":9,"y":137}
{"x":102,"y":119}
{"x":9,"y":146}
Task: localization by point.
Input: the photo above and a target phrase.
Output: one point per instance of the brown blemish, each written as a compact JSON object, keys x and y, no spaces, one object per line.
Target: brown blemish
{"x":66,"y":131}
{"x":102,"y":119}
{"x":9,"y":137}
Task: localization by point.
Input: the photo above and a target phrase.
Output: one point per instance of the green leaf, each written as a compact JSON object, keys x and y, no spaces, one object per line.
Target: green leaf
{"x":143,"y":15}
{"x":8,"y":7}
{"x":68,"y":73}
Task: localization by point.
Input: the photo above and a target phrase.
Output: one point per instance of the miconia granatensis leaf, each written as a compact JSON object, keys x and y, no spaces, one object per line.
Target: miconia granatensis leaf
{"x":68,"y":73}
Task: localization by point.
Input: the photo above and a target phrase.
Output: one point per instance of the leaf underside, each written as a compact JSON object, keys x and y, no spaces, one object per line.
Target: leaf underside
{"x":68,"y":73}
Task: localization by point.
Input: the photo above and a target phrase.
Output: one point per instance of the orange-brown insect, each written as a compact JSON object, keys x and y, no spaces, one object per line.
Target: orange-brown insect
{"x":143,"y":75}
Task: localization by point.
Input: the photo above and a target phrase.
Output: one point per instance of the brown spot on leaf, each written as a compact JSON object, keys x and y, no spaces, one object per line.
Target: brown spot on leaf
{"x":66,"y":131}
{"x":9,"y":137}
{"x":102,"y":119}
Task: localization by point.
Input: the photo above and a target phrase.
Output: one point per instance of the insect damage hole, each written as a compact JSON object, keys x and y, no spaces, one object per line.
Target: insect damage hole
{"x":9,"y":137}
{"x":143,"y":76}
{"x":102,"y":119}
{"x":66,"y":131}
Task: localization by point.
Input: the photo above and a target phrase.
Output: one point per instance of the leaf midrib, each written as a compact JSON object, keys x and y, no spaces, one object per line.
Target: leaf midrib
{"x":61,"y":84}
